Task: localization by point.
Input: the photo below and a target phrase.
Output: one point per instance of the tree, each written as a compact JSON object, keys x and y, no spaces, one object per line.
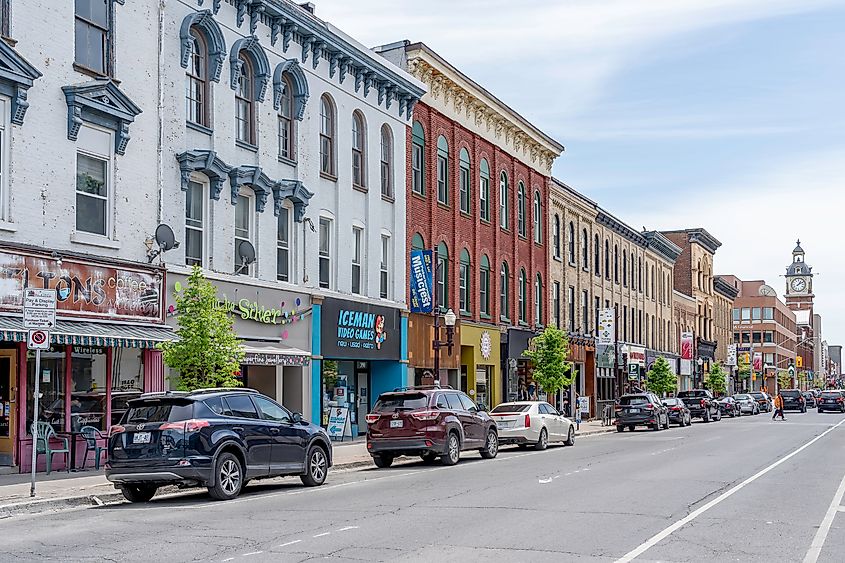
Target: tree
{"x":660,"y":378}
{"x":548,"y":356}
{"x":716,"y":379}
{"x":207,"y":353}
{"x":744,"y":371}
{"x":784,"y":380}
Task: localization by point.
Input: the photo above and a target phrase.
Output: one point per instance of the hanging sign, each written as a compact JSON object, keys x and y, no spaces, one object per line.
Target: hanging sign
{"x":607,"y":332}
{"x":421,"y":281}
{"x":731,"y":359}
{"x":686,"y":345}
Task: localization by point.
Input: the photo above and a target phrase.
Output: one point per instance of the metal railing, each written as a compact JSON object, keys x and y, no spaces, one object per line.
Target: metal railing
{"x":605,"y":409}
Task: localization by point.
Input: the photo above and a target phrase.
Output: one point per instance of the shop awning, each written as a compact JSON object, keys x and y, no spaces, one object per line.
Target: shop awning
{"x":273,"y":354}
{"x":85,"y":333}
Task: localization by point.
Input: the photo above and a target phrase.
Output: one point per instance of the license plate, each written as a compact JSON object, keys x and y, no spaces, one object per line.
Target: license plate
{"x":141,"y":438}
{"x":633,"y":411}
{"x":503,"y":424}
{"x":397,"y":423}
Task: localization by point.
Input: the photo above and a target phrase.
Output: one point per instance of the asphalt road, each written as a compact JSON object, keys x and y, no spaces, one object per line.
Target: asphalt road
{"x":738,"y":490}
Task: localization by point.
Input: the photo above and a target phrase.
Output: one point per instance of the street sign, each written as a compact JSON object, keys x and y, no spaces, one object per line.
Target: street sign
{"x":39,"y":318}
{"x":39,"y":308}
{"x":38,"y":340}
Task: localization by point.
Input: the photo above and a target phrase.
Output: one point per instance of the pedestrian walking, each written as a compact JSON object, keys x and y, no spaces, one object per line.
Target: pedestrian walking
{"x":778,"y":407}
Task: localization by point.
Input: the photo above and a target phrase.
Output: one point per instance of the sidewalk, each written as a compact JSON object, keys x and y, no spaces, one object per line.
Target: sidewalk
{"x":90,"y":488}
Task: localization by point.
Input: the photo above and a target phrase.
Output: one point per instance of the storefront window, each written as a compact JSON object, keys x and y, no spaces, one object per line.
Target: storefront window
{"x":51,"y":406}
{"x":88,"y":387}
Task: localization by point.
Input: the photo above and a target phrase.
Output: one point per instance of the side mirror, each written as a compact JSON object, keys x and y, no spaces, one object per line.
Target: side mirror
{"x":481,"y":407}
{"x":297,"y":418}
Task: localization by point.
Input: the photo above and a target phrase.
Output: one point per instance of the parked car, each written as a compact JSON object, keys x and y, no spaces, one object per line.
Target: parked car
{"x":641,"y":409}
{"x":701,"y":404}
{"x":747,"y":404}
{"x":793,"y":400}
{"x":532,"y":423}
{"x":831,"y":400}
{"x":809,"y":399}
{"x":430,"y":422}
{"x":729,"y":407}
{"x":763,"y":400}
{"x":216,"y":438}
{"x":678,"y":412}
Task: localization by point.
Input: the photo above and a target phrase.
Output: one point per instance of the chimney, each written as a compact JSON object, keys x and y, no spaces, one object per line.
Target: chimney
{"x":308,"y":7}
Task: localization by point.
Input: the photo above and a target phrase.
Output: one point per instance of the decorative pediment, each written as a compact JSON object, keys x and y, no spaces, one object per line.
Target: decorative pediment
{"x":102,"y":103}
{"x":204,"y":21}
{"x":295,"y":191}
{"x":16,"y":76}
{"x":254,"y":178}
{"x":259,"y":60}
{"x":298,"y":83}
{"x":205,"y":162}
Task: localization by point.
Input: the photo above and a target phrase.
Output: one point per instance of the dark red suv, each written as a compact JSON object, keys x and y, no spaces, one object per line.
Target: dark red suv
{"x":429,"y":422}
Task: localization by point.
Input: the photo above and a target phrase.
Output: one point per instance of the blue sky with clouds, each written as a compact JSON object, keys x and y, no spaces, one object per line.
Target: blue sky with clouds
{"x":724,"y":114}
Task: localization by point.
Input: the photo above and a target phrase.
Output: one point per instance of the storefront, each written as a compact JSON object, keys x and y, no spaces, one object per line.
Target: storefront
{"x":275,"y":328}
{"x":634,"y":366}
{"x":103,"y":347}
{"x":517,"y":381}
{"x":421,"y":351}
{"x":480,"y":356}
{"x":359,"y":350}
{"x":582,"y":356}
{"x":606,"y":386}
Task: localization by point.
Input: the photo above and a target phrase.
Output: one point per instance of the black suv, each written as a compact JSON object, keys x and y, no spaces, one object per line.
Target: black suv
{"x":641,"y":409}
{"x":215,"y":438}
{"x":793,"y":400}
{"x":701,"y":404}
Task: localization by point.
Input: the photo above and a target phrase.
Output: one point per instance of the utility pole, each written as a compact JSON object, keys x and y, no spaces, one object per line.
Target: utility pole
{"x":435,"y":310}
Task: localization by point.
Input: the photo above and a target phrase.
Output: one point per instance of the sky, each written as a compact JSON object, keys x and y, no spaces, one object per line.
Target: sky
{"x":722,"y":114}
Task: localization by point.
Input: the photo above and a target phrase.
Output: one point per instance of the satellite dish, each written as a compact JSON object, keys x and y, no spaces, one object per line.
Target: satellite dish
{"x":247,"y":252}
{"x":165,"y":238}
{"x":767,"y":291}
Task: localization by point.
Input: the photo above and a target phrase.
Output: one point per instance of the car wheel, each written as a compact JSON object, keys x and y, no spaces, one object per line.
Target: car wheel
{"x":666,"y":426}
{"x":491,"y":447}
{"x":543,"y":440}
{"x":570,"y":437}
{"x":138,"y":493}
{"x":383,"y":461}
{"x":631,"y":427}
{"x":654,"y":427}
{"x":620,"y":428}
{"x":718,"y":416}
{"x":228,"y":477}
{"x":429,"y":458}
{"x":316,"y":468}
{"x":453,"y":450}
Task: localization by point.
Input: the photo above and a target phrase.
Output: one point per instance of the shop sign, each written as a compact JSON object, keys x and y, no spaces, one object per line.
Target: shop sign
{"x":607,"y":333}
{"x":422,"y":300}
{"x":263,"y":359}
{"x":758,"y":361}
{"x":686,"y":345}
{"x":338,"y":423}
{"x":486,"y":345}
{"x":636,"y":355}
{"x":360,"y":331}
{"x":605,"y":357}
{"x":82,"y":289}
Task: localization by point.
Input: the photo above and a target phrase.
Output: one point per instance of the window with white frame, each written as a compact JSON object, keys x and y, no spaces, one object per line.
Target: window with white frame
{"x":417,"y":159}
{"x":384,"y":280}
{"x":520,"y":209}
{"x":196,"y":87}
{"x":464,"y":181}
{"x":245,"y":103}
{"x":484,"y":190}
{"x":538,"y":221}
{"x":94,"y":20}
{"x":538,"y":300}
{"x":327,"y":126}
{"x":442,"y":170}
{"x":504,"y":209}
{"x":286,"y":122}
{"x":386,"y":161}
{"x":359,"y":135}
{"x":325,"y":252}
{"x":522,"y":309}
{"x":243,"y":233}
{"x":283,"y":254}
{"x":194,"y":224}
{"x":92,"y":194}
{"x":464,"y":288}
{"x":357,"y":258}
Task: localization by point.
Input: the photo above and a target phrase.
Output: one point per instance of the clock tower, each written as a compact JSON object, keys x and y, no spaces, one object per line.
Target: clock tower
{"x":799,"y":281}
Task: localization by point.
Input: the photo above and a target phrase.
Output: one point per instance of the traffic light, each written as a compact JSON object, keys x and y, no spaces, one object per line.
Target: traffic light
{"x":799,"y":362}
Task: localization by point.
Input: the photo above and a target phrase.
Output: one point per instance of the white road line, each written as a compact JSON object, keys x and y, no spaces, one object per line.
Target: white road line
{"x":662,"y":535}
{"x":228,"y":559}
{"x":321,"y":535}
{"x":252,"y":553}
{"x":824,"y":529}
{"x":348,"y":528}
{"x":289,"y":543}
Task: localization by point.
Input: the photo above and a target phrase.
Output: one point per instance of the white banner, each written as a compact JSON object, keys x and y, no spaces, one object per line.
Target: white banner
{"x":607,"y":332}
{"x":731,"y":360}
{"x":686,"y":367}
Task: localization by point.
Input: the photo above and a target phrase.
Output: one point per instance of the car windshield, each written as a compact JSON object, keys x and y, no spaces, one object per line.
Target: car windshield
{"x":684,"y":394}
{"x":635,"y":400}
{"x":726,"y":399}
{"x":831,"y":394}
{"x":742,"y":397}
{"x":401,"y":402}
{"x":791,"y":393}
{"x":670,"y":401}
{"x":757,"y":395}
{"x":510,"y":408}
{"x":158,"y":410}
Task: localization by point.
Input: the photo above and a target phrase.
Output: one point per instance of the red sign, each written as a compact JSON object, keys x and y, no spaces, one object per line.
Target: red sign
{"x":686,"y":345}
{"x":82,"y":289}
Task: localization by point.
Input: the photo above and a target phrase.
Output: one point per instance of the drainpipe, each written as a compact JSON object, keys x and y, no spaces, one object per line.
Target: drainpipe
{"x":160,"y":109}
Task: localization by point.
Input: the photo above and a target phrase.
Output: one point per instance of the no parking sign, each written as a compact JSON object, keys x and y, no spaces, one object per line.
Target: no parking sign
{"x":38,"y":340}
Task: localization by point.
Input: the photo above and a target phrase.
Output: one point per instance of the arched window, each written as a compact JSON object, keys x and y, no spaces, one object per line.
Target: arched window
{"x":386,"y":161}
{"x":484,"y":190}
{"x":464,"y":181}
{"x":607,"y":258}
{"x":653,"y":294}
{"x":538,"y":223}
{"x":597,"y":255}
{"x":633,"y":285}
{"x":327,"y":129}
{"x":359,"y":136}
{"x":640,"y":275}
{"x":556,"y":235}
{"x":442,"y":170}
{"x":465,"y":282}
{"x":443,"y":276}
{"x":585,"y":250}
{"x":538,"y":300}
{"x":286,"y":121}
{"x":624,"y":267}
{"x":417,"y":242}
{"x":504,"y":292}
{"x":504,"y":206}
{"x":418,"y":159}
{"x":616,"y":263}
{"x":571,"y":243}
{"x":197,"y":89}
{"x":520,"y":209}
{"x":245,"y":102}
{"x":484,"y":286}
{"x":523,"y":288}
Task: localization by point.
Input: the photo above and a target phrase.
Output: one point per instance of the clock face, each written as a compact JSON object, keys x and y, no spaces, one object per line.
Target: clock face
{"x":799,"y":284}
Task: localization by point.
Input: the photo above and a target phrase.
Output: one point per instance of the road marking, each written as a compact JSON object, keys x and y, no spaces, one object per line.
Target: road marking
{"x":841,"y":509}
{"x":228,"y":559}
{"x":662,"y":535}
{"x":289,"y":543}
{"x":348,"y":528}
{"x":824,"y":529}
{"x":252,"y":553}
{"x":321,"y":535}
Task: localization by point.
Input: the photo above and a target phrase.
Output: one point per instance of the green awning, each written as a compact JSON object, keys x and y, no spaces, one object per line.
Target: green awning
{"x":86,"y":333}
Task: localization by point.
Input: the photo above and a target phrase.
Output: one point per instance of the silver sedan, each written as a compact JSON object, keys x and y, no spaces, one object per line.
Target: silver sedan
{"x":532,"y":423}
{"x":747,"y":404}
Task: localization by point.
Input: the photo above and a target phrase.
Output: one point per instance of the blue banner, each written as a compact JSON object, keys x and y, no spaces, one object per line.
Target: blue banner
{"x":422,"y":299}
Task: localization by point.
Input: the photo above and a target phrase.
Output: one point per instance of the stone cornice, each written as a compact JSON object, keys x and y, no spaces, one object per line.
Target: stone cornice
{"x":725,"y":289}
{"x":661,"y":245}
{"x":449,"y":89}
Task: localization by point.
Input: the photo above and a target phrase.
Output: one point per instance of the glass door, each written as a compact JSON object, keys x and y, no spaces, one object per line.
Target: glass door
{"x":8,"y":405}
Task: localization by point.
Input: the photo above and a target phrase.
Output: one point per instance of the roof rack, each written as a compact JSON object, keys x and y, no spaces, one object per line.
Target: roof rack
{"x":163,"y":394}
{"x":212,"y":389}
{"x":421,"y":387}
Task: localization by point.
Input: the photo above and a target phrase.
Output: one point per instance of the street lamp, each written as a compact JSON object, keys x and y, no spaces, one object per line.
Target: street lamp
{"x":450,"y":318}
{"x":700,"y":363}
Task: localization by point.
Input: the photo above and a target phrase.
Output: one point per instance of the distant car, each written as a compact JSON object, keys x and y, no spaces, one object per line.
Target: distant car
{"x":701,"y":404}
{"x":810,"y":399}
{"x":533,"y":423}
{"x":641,"y":409}
{"x":763,"y":400}
{"x":729,"y":407}
{"x":430,"y":422}
{"x":678,"y":412}
{"x":831,"y":400}
{"x":747,"y":404}
{"x":793,"y":400}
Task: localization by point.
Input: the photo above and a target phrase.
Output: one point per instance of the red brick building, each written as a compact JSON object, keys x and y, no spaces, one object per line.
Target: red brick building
{"x":477,"y":192}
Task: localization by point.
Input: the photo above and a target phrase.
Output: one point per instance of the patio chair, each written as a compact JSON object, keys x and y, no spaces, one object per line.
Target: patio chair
{"x":91,"y":436}
{"x":45,"y":433}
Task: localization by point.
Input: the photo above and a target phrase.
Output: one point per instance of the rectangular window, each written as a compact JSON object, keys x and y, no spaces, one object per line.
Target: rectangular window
{"x":386,"y":172}
{"x":383,"y":266}
{"x":92,"y":35}
{"x":769,"y":359}
{"x":464,"y":180}
{"x":484,"y":291}
{"x":768,"y":313}
{"x":4,"y":18}
{"x":92,"y":194}
{"x":196,"y":87}
{"x":746,"y":338}
{"x":325,"y":251}
{"x":625,"y":323}
{"x":417,"y":169}
{"x":243,"y":110}
{"x":442,"y":180}
{"x":285,"y":134}
{"x":283,"y":245}
{"x":746,"y":314}
{"x":484,"y":190}
{"x":768,"y":337}
{"x":585,"y":310}
{"x":736,"y":338}
{"x":756,"y":338}
{"x":463,"y":287}
{"x":596,"y":315}
{"x":243,"y":233}
{"x":735,"y":313}
{"x":357,"y":241}
{"x":556,"y":303}
{"x":194,"y":205}
{"x":756,"y":314}
{"x":571,"y":308}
